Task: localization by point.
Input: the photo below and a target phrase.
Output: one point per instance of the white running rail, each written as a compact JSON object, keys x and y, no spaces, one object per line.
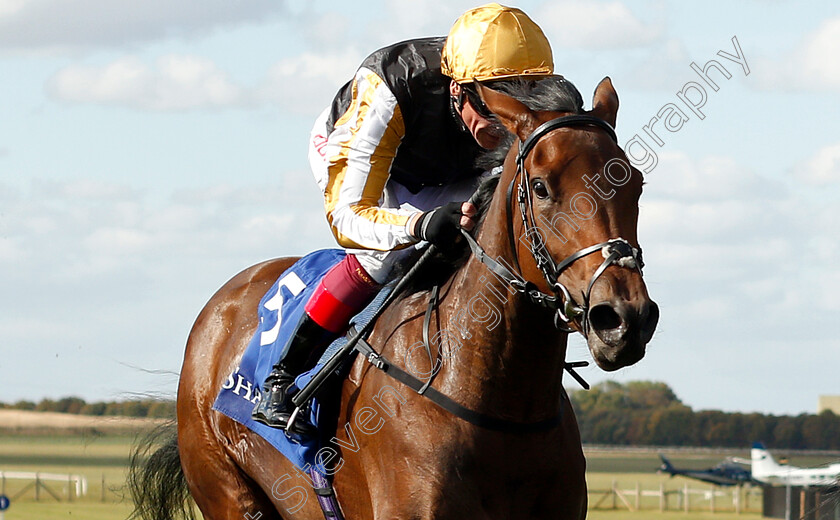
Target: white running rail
{"x":79,"y":481}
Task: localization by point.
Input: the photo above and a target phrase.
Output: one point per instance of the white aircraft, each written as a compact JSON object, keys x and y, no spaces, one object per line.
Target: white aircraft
{"x":765,"y":469}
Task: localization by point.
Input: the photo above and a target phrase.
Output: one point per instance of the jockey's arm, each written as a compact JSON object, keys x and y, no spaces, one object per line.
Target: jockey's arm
{"x":361,"y":149}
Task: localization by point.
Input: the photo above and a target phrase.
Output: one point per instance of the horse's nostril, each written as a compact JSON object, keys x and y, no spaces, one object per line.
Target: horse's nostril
{"x":604,"y":317}
{"x":650,"y":318}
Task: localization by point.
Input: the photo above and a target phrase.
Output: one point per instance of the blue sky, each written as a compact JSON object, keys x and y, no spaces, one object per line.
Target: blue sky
{"x":151,"y":150}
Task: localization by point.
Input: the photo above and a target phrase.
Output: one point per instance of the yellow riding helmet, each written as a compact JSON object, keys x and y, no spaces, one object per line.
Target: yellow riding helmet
{"x":495,"y":42}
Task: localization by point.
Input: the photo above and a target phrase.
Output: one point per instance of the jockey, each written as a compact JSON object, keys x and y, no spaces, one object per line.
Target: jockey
{"x":395,"y":157}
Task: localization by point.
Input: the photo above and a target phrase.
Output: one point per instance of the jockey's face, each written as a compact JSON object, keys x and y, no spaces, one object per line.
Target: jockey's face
{"x":488,"y":132}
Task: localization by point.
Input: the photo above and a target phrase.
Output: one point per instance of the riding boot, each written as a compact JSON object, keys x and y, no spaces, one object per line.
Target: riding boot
{"x":341,"y":294}
{"x":275,"y":407}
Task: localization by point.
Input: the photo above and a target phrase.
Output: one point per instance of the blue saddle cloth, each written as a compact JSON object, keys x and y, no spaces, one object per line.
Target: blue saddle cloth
{"x":279,"y":312}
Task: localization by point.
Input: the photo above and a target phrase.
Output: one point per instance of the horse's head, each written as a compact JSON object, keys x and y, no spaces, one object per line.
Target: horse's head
{"x":573,"y":211}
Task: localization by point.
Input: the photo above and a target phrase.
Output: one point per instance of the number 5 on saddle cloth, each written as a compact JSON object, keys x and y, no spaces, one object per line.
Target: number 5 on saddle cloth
{"x":279,"y":312}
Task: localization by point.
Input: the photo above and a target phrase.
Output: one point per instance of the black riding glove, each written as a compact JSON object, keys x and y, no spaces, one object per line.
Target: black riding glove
{"x":440,"y":225}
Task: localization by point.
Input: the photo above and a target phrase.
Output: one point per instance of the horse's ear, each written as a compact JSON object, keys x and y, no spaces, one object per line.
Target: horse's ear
{"x":605,"y":101}
{"x":517,"y":118}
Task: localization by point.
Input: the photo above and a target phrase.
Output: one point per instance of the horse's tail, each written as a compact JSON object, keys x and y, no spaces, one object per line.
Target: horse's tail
{"x":156,"y":479}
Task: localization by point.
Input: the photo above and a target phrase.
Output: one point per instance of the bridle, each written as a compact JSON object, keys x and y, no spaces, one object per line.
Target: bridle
{"x":615,"y":251}
{"x":566,"y":311}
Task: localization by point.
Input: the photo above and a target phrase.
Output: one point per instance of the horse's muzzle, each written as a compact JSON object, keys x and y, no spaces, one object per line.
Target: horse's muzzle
{"x":621,"y":330}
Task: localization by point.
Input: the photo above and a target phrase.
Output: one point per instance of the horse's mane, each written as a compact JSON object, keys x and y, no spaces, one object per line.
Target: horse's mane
{"x":555,"y":94}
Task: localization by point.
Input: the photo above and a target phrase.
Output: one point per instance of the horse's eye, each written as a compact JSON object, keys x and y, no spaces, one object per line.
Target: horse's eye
{"x":540,"y":189}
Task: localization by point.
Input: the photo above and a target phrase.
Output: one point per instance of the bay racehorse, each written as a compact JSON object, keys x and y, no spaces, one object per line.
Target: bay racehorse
{"x":560,"y":254}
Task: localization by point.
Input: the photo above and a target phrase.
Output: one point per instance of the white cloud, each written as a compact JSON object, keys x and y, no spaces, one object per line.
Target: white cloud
{"x":85,"y":189}
{"x":677,"y":177}
{"x":430,"y":16}
{"x":327,"y":31}
{"x":306,"y":84}
{"x":11,"y":7}
{"x":718,"y":205}
{"x":10,"y":250}
{"x":727,"y":245}
{"x":176,"y":82}
{"x":8,"y":193}
{"x":303,"y":84}
{"x":666,"y":64}
{"x":716,"y":222}
{"x":820,"y":52}
{"x":26,"y":24}
{"x":812,"y":66}
{"x":823,"y":168}
{"x":416,"y":19}
{"x":80,"y":231}
{"x":121,"y":273}
{"x":118,"y":241}
{"x":594,"y":25}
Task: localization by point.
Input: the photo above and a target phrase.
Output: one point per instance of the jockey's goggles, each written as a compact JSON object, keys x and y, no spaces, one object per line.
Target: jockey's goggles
{"x":469,"y":92}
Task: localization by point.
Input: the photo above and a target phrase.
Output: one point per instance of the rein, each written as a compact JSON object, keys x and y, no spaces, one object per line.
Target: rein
{"x":615,"y":251}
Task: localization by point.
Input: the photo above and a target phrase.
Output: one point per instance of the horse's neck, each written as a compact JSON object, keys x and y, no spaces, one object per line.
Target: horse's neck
{"x":510,"y":358}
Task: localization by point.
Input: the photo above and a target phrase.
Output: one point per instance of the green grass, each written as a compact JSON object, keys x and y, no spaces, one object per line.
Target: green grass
{"x":29,"y":510}
{"x":106,"y":456}
{"x":98,"y":458}
{"x":602,"y":500}
{"x":647,"y":515}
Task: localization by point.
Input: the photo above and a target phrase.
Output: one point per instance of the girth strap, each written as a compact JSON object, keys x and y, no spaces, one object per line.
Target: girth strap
{"x":326,"y":495}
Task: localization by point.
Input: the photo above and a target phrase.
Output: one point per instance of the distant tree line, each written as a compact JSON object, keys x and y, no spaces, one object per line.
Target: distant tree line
{"x":650,"y":414}
{"x":76,"y":405}
{"x":640,"y":413}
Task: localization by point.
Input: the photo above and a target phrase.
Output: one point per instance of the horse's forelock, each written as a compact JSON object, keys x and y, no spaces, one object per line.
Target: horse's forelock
{"x":554,"y":93}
